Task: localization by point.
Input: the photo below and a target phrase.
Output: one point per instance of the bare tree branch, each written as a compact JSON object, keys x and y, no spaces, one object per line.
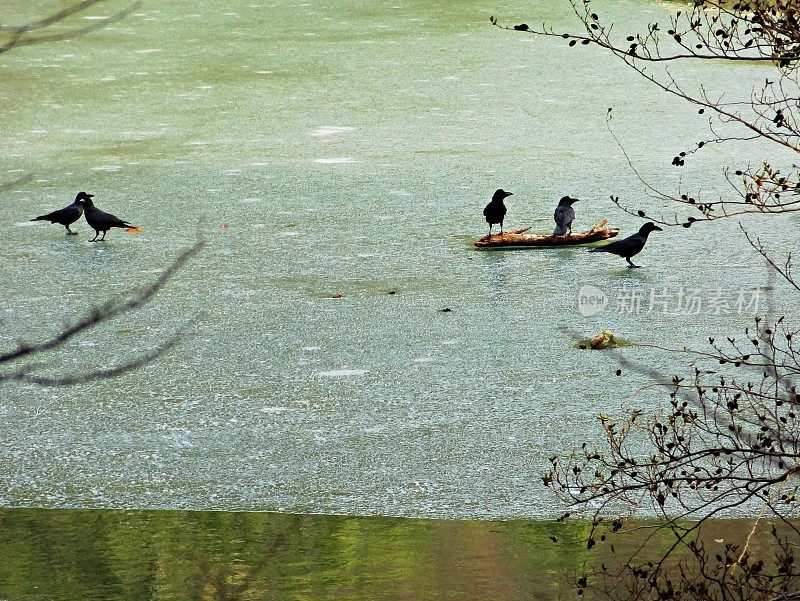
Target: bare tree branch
{"x":727,"y":438}
{"x":10,"y":368}
{"x":27,"y":33}
{"x":766,"y":31}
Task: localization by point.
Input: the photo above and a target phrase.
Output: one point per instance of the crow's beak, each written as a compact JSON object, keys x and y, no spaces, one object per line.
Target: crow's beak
{"x":658,"y":228}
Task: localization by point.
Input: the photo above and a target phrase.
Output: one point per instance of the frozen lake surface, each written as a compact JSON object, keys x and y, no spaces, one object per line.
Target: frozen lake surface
{"x":345,"y":150}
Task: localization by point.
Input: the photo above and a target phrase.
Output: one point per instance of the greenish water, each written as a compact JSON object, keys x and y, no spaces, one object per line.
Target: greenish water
{"x":160,"y":555}
{"x":55,"y":555}
{"x":347,"y":147}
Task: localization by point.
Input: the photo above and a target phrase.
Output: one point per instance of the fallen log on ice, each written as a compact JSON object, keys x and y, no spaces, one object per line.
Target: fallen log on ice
{"x":519,"y":237}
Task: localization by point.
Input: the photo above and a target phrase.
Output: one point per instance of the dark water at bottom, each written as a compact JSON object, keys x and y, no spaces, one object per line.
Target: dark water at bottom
{"x":117,"y":554}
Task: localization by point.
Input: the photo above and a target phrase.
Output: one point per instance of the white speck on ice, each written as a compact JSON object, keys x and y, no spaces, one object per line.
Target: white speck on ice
{"x":330,"y":130}
{"x":342,"y":373}
{"x":337,"y":161}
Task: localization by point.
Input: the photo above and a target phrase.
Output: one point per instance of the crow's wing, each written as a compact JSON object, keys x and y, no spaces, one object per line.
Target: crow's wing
{"x":494,"y":212}
{"x":67,"y":215}
{"x":558,"y":216}
{"x":624,"y":248}
{"x":101,"y":220}
{"x":563,"y":216}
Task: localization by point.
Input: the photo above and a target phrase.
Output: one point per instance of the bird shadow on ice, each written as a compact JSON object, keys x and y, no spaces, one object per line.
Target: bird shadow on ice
{"x":633,"y":277}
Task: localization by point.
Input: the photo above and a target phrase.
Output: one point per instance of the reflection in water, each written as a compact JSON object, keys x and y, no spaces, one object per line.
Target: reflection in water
{"x":84,"y":554}
{"x":632,"y":293}
{"x":496,"y":274}
{"x":565,"y":265}
{"x":117,"y":554}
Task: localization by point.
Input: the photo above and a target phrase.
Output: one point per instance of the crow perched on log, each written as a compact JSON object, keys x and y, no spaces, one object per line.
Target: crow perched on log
{"x":68,"y":215}
{"x":564,"y":215}
{"x":100,"y":221}
{"x":495,"y":211}
{"x":630,"y":246}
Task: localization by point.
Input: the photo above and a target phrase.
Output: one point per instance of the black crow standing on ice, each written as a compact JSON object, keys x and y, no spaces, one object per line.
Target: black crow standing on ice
{"x":564,"y":215}
{"x":495,"y":211}
{"x":630,"y":246}
{"x":100,"y":221}
{"x":68,"y":215}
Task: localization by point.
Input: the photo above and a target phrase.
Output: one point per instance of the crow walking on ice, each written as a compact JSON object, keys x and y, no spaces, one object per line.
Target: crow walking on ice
{"x":100,"y":221}
{"x":68,"y":215}
{"x":630,"y":246}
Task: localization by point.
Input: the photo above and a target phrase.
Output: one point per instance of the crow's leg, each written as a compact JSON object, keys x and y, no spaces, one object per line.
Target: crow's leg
{"x":490,"y":229}
{"x":96,"y":234}
{"x":501,"y":228}
{"x":630,"y":263}
{"x":69,"y":231}
{"x":103,"y":237}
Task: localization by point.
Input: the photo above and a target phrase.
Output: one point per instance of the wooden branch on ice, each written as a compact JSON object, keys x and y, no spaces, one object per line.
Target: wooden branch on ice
{"x":518,"y":237}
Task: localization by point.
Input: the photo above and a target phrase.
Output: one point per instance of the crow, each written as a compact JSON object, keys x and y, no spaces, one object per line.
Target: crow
{"x":100,"y":221}
{"x":564,"y":215}
{"x":630,"y":246}
{"x":68,"y":215}
{"x":495,"y":211}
